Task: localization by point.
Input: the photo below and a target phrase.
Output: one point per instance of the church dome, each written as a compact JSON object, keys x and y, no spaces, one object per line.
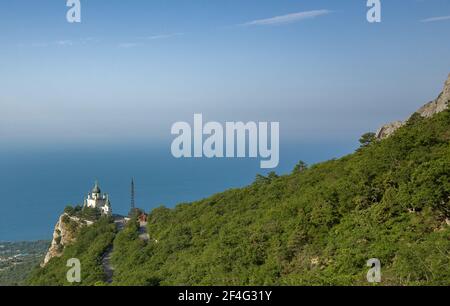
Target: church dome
{"x":96,"y":188}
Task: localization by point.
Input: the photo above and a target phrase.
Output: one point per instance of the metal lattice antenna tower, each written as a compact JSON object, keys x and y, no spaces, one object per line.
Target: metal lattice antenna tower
{"x":132,"y":194}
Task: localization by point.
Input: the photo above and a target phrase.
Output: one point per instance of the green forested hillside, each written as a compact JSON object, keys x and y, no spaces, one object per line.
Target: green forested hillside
{"x":316,"y":226}
{"x":91,"y":243}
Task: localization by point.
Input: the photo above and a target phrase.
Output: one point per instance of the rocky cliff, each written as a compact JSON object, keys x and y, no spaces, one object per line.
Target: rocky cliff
{"x":64,"y":234}
{"x":428,"y":110}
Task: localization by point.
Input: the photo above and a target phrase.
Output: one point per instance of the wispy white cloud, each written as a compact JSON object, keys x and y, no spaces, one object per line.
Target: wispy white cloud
{"x":64,"y":43}
{"x":163,"y":36}
{"x":141,"y":40}
{"x":59,"y":43}
{"x":35,"y":44}
{"x":434,"y":19}
{"x":128,"y":45}
{"x":289,"y":18}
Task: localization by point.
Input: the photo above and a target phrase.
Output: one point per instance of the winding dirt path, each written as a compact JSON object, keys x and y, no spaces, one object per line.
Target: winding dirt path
{"x":143,"y":231}
{"x":120,"y":222}
{"x":107,"y":267}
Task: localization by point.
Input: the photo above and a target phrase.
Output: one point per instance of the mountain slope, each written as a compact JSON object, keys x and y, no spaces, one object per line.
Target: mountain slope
{"x":90,"y":244}
{"x":389,"y":200}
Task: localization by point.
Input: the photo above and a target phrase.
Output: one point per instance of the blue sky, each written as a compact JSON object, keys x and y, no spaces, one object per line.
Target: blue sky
{"x":132,"y":68}
{"x":75,"y":97}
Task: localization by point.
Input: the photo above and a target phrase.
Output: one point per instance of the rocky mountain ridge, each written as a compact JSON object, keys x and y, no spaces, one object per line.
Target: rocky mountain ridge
{"x":64,"y":234}
{"x":438,"y":105}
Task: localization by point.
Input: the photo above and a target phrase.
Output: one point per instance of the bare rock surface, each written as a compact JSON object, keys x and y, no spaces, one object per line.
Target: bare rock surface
{"x":428,"y":110}
{"x":64,"y":234}
{"x":387,"y":130}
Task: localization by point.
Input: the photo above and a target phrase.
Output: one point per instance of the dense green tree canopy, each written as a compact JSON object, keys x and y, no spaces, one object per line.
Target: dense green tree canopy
{"x":389,"y":200}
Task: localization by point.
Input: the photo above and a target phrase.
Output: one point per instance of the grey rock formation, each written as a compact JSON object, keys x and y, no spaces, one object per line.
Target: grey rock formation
{"x":63,"y":235}
{"x":426,"y":111}
{"x":388,"y":129}
{"x":438,"y":105}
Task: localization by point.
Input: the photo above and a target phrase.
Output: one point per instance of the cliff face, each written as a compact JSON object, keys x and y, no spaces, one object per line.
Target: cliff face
{"x":389,"y":129}
{"x":64,"y":234}
{"x":438,"y":105}
{"x":428,"y":110}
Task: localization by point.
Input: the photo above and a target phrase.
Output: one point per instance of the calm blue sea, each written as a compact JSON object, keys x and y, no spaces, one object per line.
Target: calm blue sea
{"x":36,"y":184}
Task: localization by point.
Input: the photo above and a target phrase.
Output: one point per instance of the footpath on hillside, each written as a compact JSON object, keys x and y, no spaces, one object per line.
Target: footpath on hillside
{"x":120,"y":222}
{"x":143,"y":231}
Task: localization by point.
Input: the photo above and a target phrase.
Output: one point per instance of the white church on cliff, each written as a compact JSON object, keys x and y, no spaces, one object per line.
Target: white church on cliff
{"x":96,"y":199}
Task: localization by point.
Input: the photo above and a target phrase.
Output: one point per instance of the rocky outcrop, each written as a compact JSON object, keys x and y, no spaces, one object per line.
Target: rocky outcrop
{"x":438,"y":105}
{"x":388,"y":129}
{"x":426,"y":111}
{"x":64,"y":234}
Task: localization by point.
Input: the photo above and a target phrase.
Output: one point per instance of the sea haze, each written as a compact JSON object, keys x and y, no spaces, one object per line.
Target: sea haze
{"x":36,"y":184}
